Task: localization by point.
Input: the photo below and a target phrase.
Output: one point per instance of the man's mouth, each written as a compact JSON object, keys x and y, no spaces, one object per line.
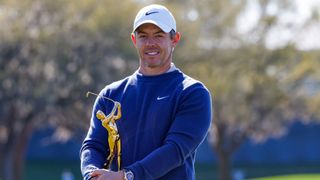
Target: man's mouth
{"x":152,"y":53}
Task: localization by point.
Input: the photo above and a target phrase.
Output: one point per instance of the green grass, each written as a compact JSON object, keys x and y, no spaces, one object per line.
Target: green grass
{"x":263,"y":172}
{"x":51,"y":170}
{"x":292,"y":177}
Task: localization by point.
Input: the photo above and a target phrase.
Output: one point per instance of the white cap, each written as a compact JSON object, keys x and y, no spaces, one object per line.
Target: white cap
{"x":157,"y":15}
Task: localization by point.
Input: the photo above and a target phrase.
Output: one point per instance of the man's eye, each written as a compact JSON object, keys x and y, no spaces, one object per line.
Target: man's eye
{"x":142,"y":36}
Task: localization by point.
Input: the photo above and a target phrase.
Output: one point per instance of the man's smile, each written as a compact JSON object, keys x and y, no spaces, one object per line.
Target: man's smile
{"x":152,"y":53}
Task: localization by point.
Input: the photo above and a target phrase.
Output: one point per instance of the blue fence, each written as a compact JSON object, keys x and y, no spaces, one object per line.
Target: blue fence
{"x":299,"y":146}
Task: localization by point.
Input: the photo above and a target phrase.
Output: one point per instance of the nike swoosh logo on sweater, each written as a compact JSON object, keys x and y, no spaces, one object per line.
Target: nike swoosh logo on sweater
{"x":163,"y":97}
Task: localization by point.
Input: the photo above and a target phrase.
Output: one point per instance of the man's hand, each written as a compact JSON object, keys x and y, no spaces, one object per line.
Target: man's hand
{"x":103,"y":174}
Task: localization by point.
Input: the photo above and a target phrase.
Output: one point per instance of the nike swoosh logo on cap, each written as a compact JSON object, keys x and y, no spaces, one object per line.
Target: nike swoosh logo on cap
{"x":152,"y":12}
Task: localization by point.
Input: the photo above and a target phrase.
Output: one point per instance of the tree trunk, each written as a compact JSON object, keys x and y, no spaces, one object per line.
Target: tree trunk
{"x":13,"y":149}
{"x":6,"y":164}
{"x":20,"y":150}
{"x":7,"y":145}
{"x":224,"y":166}
{"x":13,"y":156}
{"x":2,"y":155}
{"x":225,"y":144}
{"x":9,"y":170}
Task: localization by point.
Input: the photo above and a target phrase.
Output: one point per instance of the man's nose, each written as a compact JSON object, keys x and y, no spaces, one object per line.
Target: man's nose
{"x":150,"y":41}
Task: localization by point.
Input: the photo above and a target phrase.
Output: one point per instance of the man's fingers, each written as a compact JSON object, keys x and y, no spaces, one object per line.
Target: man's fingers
{"x":94,"y":173}
{"x":97,"y":172}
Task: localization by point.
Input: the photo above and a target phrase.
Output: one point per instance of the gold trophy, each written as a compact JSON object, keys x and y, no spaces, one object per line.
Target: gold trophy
{"x":109,"y":122}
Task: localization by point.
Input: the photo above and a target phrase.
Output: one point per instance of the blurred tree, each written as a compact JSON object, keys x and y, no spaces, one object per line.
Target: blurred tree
{"x":257,"y":91}
{"x":51,"y":54}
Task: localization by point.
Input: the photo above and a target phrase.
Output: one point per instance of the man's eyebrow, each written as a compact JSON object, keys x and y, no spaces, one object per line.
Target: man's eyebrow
{"x":160,"y":31}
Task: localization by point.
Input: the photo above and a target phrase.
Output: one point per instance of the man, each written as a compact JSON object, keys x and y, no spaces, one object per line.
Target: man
{"x":165,"y":113}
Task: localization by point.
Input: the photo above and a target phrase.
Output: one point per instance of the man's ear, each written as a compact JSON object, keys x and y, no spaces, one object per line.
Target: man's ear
{"x":176,"y":38}
{"x":134,"y":40}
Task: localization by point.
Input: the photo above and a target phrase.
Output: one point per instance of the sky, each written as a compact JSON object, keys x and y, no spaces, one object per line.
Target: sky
{"x":292,"y":25}
{"x":312,"y":36}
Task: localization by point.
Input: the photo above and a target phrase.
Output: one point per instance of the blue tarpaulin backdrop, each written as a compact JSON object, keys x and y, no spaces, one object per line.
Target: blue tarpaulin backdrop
{"x":300,"y":146}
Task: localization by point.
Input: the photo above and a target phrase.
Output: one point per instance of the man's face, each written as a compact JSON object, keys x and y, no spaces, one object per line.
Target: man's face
{"x":155,"y":48}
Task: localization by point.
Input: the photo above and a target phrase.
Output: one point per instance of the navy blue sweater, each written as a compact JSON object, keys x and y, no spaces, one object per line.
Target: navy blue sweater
{"x":164,"y":119}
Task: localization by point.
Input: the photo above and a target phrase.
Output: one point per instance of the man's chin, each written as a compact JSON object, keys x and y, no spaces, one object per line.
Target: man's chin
{"x":152,"y":63}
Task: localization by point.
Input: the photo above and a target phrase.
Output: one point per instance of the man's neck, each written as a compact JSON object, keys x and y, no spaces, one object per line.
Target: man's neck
{"x":154,"y":71}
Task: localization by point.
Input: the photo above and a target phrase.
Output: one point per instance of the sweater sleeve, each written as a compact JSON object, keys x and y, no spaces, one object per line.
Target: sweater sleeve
{"x":187,"y":131}
{"x":94,"y":147}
